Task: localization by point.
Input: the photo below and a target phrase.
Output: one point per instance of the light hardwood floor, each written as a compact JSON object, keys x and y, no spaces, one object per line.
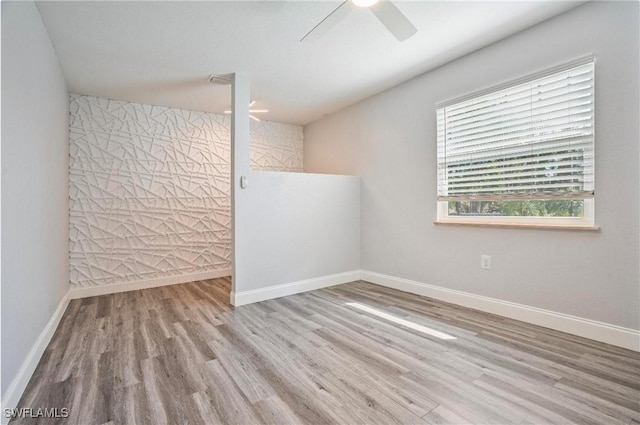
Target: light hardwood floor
{"x":181,"y":355}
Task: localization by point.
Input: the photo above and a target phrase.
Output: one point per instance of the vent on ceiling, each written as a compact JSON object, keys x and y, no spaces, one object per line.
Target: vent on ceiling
{"x":223,"y":79}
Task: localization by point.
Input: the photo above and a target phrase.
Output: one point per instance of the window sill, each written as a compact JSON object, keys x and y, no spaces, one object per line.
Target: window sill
{"x":519,"y":225}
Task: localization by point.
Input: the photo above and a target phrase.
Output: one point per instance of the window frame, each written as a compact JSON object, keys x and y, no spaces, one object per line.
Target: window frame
{"x":587,"y":220}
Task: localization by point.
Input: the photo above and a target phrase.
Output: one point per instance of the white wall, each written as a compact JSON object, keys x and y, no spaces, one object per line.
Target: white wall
{"x":297,"y":227}
{"x":150,"y":194}
{"x":390,"y":141}
{"x":35,"y":164}
{"x":288,"y":227}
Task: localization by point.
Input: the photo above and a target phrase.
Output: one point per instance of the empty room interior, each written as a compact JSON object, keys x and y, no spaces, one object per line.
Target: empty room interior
{"x":320,"y":212}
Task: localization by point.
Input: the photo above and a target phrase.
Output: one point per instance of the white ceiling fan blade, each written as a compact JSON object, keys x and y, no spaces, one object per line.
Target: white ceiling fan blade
{"x":338,"y":14}
{"x":394,"y":20}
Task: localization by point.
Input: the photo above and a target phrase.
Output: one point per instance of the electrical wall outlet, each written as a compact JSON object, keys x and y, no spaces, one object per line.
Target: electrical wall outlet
{"x":485,"y":262}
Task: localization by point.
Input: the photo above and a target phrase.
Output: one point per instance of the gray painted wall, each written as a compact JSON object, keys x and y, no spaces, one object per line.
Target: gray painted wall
{"x":35,"y":169}
{"x":390,"y":141}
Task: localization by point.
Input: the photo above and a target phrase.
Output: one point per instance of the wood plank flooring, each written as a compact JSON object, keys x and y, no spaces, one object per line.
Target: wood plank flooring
{"x":181,"y":355}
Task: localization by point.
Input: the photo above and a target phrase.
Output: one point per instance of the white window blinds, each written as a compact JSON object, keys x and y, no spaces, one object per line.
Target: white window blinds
{"x":529,"y":141}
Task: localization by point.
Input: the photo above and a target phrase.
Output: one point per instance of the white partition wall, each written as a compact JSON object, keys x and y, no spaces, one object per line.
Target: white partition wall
{"x":292,"y":232}
{"x":299,"y":232}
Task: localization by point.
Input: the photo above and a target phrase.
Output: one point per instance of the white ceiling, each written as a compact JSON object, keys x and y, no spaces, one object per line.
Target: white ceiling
{"x":161,"y":53}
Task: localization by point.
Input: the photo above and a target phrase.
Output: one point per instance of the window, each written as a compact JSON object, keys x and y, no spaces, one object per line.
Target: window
{"x":523,"y":154}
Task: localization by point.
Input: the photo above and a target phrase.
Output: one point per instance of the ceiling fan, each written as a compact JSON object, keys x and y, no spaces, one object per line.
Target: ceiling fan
{"x":385,"y":11}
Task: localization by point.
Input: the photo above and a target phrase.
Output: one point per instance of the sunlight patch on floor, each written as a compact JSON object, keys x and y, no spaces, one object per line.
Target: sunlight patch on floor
{"x":402,"y":322}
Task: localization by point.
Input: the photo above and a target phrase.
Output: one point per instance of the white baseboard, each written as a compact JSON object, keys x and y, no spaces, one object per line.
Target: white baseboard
{"x":277,"y":291}
{"x":15,"y":390}
{"x":92,"y":291}
{"x":599,"y":331}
